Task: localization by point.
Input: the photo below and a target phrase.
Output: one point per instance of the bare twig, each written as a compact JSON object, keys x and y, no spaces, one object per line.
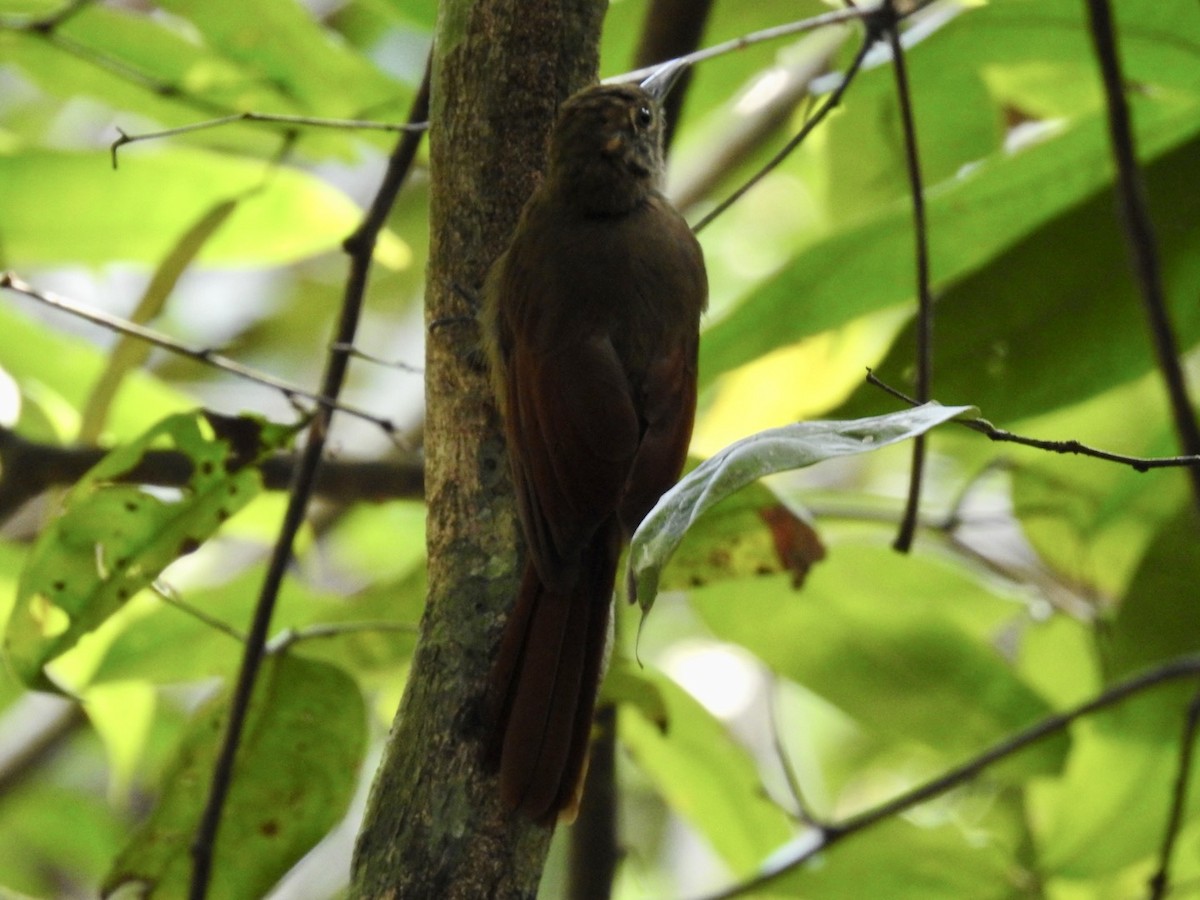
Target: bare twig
{"x":774,"y":33}
{"x":1139,"y":234}
{"x":924,"y":350}
{"x":834,"y":98}
{"x":1160,"y":883}
{"x":126,"y":72}
{"x":735,"y":145}
{"x":990,"y":431}
{"x":377,"y":360}
{"x":1176,"y":669}
{"x":208,"y":357}
{"x":170,"y":596}
{"x":360,"y":247}
{"x":803,"y":810}
{"x":271,"y":118}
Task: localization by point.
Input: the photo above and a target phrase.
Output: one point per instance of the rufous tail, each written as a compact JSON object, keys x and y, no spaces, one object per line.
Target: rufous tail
{"x":542,"y":692}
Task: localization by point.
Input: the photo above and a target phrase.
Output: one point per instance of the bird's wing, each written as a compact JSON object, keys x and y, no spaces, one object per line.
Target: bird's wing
{"x":668,"y":404}
{"x":573,"y":432}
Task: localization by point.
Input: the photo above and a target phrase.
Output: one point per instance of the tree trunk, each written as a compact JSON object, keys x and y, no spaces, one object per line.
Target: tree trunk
{"x":434,"y":827}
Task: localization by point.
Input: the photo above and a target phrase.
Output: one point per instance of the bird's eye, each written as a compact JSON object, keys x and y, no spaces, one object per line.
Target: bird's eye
{"x":644,"y":116}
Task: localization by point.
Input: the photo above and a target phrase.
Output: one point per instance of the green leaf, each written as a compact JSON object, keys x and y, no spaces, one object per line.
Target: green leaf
{"x":167,"y":645}
{"x":52,"y":827}
{"x":1091,"y":521}
{"x":285,"y":215}
{"x":1064,"y":297}
{"x":706,"y":777}
{"x":113,"y":539}
{"x":1110,"y":807}
{"x":902,"y":860}
{"x":130,"y":353}
{"x":304,"y":739}
{"x":776,"y":450}
{"x":632,"y":688}
{"x":903,"y":644}
{"x":59,"y":370}
{"x":284,"y":44}
{"x":732,"y":540}
{"x":1157,"y":620}
{"x":972,"y":219}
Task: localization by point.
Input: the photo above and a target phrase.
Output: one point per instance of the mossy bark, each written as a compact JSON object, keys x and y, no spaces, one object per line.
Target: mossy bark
{"x":433,"y":826}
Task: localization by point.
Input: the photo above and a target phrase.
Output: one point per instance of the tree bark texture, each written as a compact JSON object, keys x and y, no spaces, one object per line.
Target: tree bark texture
{"x":434,"y":826}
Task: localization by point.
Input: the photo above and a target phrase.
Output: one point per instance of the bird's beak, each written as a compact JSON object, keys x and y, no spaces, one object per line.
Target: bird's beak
{"x":659,"y":83}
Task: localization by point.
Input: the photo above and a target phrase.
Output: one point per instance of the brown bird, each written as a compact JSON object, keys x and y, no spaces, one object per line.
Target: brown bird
{"x":591,"y":323}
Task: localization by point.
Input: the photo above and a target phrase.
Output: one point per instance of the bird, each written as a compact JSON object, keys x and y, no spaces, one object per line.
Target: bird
{"x":590,"y":324}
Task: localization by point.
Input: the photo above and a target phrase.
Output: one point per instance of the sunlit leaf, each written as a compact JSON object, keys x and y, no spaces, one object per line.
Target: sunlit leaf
{"x":903,"y":860}
{"x":1110,"y":807}
{"x":136,"y":213}
{"x":707,"y":777}
{"x":130,"y":352}
{"x":284,"y":44}
{"x":1157,"y":621}
{"x":113,"y":539}
{"x":972,"y":220}
{"x":899,"y":643}
{"x":303,"y":742}
{"x":1056,"y":318}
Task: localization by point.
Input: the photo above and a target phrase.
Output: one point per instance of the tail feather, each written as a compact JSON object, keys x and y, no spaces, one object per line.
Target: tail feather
{"x":543,"y":686}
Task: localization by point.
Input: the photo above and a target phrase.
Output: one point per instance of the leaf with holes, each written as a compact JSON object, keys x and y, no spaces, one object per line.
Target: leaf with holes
{"x":113,"y":537}
{"x":739,"y":464}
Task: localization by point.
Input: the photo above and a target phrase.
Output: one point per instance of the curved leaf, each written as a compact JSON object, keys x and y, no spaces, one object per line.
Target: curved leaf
{"x":776,"y":450}
{"x":113,"y":539}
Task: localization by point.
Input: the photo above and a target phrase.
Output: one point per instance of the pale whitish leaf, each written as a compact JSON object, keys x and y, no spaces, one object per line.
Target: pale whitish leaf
{"x":739,"y":464}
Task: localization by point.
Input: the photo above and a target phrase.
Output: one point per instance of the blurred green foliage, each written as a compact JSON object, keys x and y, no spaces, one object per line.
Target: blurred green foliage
{"x":1036,"y":581}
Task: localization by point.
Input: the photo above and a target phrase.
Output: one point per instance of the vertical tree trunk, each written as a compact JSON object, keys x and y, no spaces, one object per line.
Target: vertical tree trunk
{"x":434,"y":827}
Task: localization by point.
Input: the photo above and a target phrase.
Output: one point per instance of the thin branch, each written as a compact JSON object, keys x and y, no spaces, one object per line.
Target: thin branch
{"x":278,"y":119}
{"x":1160,"y":883}
{"x":1182,"y":667}
{"x":774,"y":33}
{"x":27,"y":468}
{"x":377,"y":360}
{"x":208,"y":357}
{"x":803,"y":809}
{"x":48,"y":28}
{"x":167,"y":594}
{"x":1139,"y":234}
{"x":754,"y":128}
{"x":289,"y":636}
{"x":834,"y":98}
{"x":128,"y":73}
{"x":924,"y":349}
{"x":990,"y":431}
{"x":360,"y":248}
